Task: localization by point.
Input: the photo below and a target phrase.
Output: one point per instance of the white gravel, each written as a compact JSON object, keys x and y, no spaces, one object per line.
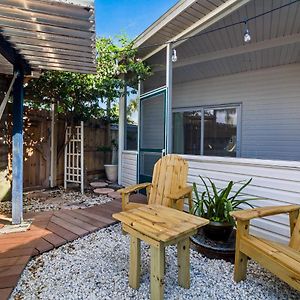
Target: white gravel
{"x":96,"y":267}
{"x":56,"y":200}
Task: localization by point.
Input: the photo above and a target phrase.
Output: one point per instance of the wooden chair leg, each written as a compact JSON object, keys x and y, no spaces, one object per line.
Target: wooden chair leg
{"x":240,"y":266}
{"x":183,"y":258}
{"x":157,"y":272}
{"x":135,"y":262}
{"x":241,"y":260}
{"x":190,"y":199}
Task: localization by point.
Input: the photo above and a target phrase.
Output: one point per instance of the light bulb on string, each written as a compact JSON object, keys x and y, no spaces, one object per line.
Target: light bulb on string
{"x":174,"y":56}
{"x":247,"y":35}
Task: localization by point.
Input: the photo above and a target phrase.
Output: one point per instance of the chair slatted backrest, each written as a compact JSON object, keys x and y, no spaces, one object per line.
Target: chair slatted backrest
{"x":295,"y":238}
{"x":169,"y":176}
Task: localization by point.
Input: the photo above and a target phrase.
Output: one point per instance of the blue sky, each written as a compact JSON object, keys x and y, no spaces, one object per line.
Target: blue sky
{"x":132,"y":17}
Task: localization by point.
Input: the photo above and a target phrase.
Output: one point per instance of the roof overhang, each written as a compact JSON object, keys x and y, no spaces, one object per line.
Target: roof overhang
{"x":185,"y":19}
{"x":47,"y":35}
{"x":220,"y":49}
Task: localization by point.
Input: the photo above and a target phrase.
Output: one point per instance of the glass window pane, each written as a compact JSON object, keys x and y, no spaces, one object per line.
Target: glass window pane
{"x":187,"y":132}
{"x":220,"y":132}
{"x":131,"y":126}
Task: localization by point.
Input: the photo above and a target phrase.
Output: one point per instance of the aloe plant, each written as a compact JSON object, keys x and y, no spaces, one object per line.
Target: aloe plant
{"x":216,"y":204}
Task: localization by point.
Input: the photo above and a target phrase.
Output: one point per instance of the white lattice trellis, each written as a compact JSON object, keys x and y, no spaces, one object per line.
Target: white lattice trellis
{"x":74,"y":156}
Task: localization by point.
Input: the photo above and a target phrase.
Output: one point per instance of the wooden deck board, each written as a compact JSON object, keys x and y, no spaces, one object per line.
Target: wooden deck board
{"x":55,"y":239}
{"x":71,"y":227}
{"x":73,"y":220}
{"x":14,"y":261}
{"x":90,"y":220}
{"x":62,"y":232}
{"x":5,"y":292}
{"x":48,"y":230}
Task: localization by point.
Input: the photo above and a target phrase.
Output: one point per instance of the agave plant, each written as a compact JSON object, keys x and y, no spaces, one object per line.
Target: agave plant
{"x":216,"y":204}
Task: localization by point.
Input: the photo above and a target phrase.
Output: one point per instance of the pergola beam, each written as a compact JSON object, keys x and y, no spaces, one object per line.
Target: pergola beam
{"x":248,"y":48}
{"x":211,"y":18}
{"x":12,"y":56}
{"x":47,"y":7}
{"x":46,"y":28}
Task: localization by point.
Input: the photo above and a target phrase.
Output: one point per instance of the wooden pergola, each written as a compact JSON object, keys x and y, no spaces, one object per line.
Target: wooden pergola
{"x":37,"y":35}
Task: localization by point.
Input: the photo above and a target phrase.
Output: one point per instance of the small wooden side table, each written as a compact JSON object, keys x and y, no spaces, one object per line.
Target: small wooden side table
{"x":159,"y":226}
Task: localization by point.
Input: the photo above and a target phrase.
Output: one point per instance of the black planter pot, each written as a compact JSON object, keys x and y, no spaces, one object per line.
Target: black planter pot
{"x":218,"y":231}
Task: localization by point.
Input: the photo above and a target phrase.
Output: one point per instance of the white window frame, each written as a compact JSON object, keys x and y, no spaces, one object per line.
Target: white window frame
{"x":237,"y":106}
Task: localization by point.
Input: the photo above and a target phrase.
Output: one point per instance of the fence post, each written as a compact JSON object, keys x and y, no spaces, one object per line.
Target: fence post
{"x":53,"y":168}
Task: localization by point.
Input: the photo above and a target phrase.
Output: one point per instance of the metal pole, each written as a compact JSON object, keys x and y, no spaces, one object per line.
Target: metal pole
{"x":169,"y":84}
{"x":17,"y":149}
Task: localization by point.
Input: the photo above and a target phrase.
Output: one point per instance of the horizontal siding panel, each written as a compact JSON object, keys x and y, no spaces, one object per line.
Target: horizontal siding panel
{"x":274,"y":182}
{"x":249,"y":171}
{"x":268,"y":235}
{"x":129,"y":167}
{"x":291,"y":186}
{"x":260,"y":192}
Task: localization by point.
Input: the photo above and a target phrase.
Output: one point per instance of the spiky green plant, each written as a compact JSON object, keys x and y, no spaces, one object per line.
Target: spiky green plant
{"x":215,"y":204}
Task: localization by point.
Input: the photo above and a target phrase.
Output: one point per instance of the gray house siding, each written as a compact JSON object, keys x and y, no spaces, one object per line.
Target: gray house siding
{"x":270,"y":113}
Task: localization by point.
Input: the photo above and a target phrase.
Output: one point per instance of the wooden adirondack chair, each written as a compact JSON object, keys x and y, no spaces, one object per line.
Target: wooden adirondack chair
{"x":282,"y":260}
{"x":168,"y":187}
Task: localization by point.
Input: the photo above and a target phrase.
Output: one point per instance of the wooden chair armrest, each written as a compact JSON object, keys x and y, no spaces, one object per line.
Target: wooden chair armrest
{"x":181,"y":193}
{"x":248,"y":214}
{"x":134,"y":188}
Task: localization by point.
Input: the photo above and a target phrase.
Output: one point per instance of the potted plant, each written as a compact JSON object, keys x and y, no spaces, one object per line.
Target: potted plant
{"x":111,"y":170}
{"x":216,"y":205}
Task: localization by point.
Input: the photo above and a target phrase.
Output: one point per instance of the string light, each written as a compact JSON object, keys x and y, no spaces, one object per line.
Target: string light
{"x":174,"y":56}
{"x":247,"y":36}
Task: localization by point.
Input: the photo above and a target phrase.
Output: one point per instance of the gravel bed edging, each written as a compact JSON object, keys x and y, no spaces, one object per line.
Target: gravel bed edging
{"x":56,"y":200}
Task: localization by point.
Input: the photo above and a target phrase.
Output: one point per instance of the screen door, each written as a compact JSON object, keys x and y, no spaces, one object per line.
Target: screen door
{"x":152,"y":133}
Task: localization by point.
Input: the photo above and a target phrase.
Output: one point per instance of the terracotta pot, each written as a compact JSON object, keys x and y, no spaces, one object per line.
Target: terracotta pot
{"x":218,"y":231}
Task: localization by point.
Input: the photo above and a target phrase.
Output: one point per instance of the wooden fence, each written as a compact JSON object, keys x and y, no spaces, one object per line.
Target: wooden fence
{"x":37,"y":145}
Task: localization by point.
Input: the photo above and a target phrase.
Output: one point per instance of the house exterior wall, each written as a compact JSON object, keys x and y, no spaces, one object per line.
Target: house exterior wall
{"x":270,"y":139}
{"x":270,"y":99}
